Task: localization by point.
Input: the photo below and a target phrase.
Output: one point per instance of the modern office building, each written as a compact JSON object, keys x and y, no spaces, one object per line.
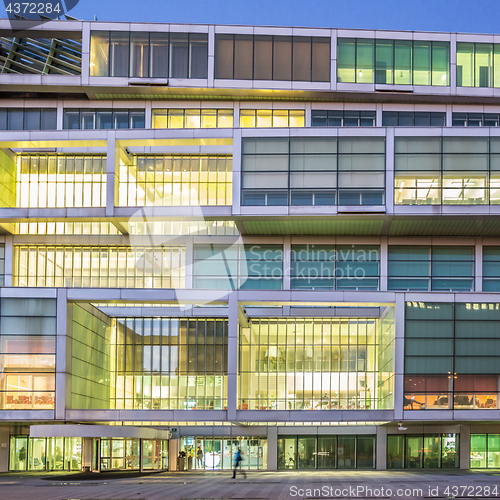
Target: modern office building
{"x":282,"y":239}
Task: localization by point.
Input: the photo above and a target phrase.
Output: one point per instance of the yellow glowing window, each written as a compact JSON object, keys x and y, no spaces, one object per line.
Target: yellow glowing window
{"x":264,"y":118}
{"x":225,"y":118}
{"x":247,"y":118}
{"x":160,"y":119}
{"x":175,"y":118}
{"x":192,"y":118}
{"x":297,"y":118}
{"x":208,"y":118}
{"x":280,"y":118}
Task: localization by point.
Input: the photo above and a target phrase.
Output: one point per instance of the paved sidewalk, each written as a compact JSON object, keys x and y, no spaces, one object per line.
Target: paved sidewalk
{"x":285,"y":485}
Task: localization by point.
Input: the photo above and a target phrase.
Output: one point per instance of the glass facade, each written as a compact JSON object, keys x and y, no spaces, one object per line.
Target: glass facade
{"x":318,"y":267}
{"x":267,"y":118}
{"x":60,"y":228}
{"x":90,"y":119}
{"x":313,"y":171}
{"x":491,"y":269}
{"x":28,"y":118}
{"x":170,"y":363}
{"x":171,"y":180}
{"x":28,"y":354}
{"x":50,"y":454}
{"x":61,"y":181}
{"x":436,"y":268}
{"x":476,"y":119}
{"x":148,"y":55}
{"x":393,"y":62}
{"x":326,"y":452}
{"x":316,"y":364}
{"x":478,"y":65}
{"x":98,"y":266}
{"x":484,"y":451}
{"x":217,"y":453}
{"x":447,"y":171}
{"x":451,"y":356}
{"x":427,"y":451}
{"x":262,"y":57}
{"x":192,"y":118}
{"x":231,"y":267}
{"x":342,"y":118}
{"x":125,"y":454}
{"x":413,"y":119}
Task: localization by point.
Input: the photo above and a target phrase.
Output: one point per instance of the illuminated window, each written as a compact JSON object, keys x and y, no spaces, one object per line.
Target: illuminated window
{"x":58,"y":181}
{"x":182,"y":364}
{"x":43,"y":228}
{"x":305,"y":363}
{"x":478,"y":65}
{"x":192,"y":118}
{"x":98,"y":266}
{"x":268,"y":118}
{"x":393,"y":62}
{"x":28,"y":347}
{"x":171,"y":180}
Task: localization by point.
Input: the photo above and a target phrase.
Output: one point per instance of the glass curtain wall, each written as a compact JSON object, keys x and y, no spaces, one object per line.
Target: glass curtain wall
{"x":28,"y":354}
{"x":103,"y":266}
{"x":436,"y":268}
{"x":28,"y":119}
{"x":393,"y":62}
{"x":91,"y":119}
{"x":485,"y":451}
{"x":192,"y":118}
{"x":216,"y":453}
{"x":60,"y":181}
{"x":170,"y":180}
{"x":125,"y":454}
{"x":450,"y":356}
{"x":321,"y":267}
{"x":447,"y":171}
{"x":153,"y":55}
{"x":27,"y":453}
{"x":429,"y":451}
{"x":258,"y":57}
{"x":313,"y":171}
{"x":267,"y":118}
{"x":478,"y":65}
{"x":169,"y":363}
{"x":342,"y":118}
{"x":231,"y":267}
{"x":326,"y":452}
{"x":314,"y":364}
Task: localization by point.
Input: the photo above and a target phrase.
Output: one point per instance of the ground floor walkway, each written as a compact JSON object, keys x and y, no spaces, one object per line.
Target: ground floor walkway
{"x":283,"y":485}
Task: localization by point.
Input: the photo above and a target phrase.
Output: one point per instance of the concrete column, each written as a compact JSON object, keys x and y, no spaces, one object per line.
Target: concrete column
{"x":464,"y":446}
{"x":62,"y":375}
{"x":378,"y":116}
{"x":399,"y":356}
{"x":272,"y":448}
{"x":237,"y":168}
{"x":232,"y":350}
{"x":60,"y":115}
{"x":173,"y":453}
{"x":211,"y":56}
{"x":9,"y":260}
{"x":112,"y":173}
{"x":308,"y":120}
{"x":333,"y":61}
{"x":148,"y":115}
{"x":384,"y":259}
{"x":4,"y":449}
{"x":287,"y":262}
{"x":381,"y":448}
{"x":478,"y":278}
{"x":389,"y":170}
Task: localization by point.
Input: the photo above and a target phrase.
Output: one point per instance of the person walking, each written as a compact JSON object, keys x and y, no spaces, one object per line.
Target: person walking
{"x":199,"y":458}
{"x":237,"y":463}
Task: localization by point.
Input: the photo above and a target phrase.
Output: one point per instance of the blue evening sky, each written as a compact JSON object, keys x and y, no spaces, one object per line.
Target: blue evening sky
{"x":473,"y":16}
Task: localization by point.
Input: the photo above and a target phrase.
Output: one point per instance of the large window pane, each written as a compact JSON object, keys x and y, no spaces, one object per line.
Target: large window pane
{"x":346,"y":60}
{"x":465,"y":64}
{"x":422,"y":63}
{"x":139,"y":55}
{"x":301,"y":59}
{"x":282,"y":58}
{"x":159,"y":55}
{"x":119,"y":53}
{"x":263,"y":58}
{"x":224,"y":56}
{"x":384,"y":62}
{"x":365,"y":52}
{"x":243,"y":57}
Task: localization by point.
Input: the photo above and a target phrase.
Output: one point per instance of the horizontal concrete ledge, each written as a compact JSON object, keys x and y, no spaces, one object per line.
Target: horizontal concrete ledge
{"x":99,"y":431}
{"x":147,"y":415}
{"x":315,"y":415}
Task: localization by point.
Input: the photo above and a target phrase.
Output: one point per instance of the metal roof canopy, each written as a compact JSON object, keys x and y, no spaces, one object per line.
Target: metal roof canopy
{"x":98,"y":431}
